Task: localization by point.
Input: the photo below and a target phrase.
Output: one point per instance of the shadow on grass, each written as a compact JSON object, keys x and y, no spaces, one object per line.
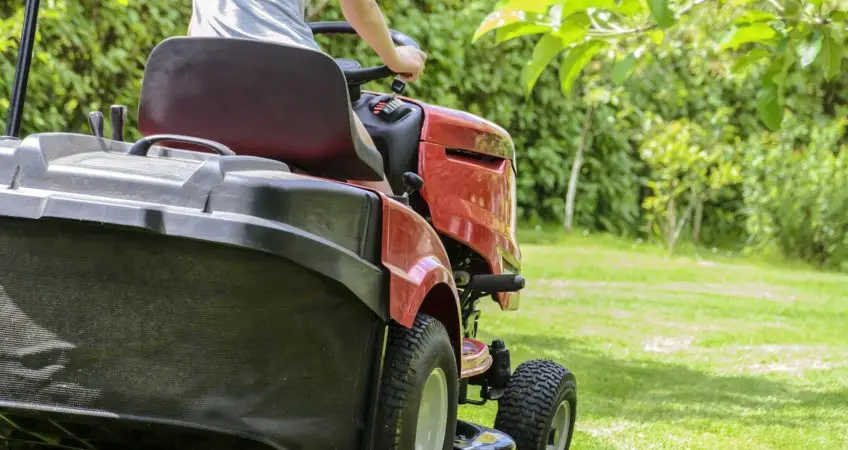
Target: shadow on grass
{"x":650,"y":391}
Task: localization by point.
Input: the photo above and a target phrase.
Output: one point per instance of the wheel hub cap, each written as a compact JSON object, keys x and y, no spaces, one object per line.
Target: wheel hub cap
{"x":433,"y":412}
{"x":559,"y":427}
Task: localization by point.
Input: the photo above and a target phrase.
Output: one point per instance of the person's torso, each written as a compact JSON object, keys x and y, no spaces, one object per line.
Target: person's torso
{"x":268,"y":20}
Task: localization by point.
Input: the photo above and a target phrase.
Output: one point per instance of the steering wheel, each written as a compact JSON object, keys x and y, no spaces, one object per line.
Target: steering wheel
{"x":357,"y":75}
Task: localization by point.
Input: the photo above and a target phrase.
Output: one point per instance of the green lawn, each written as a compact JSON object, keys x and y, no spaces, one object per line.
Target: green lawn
{"x":683,"y":352}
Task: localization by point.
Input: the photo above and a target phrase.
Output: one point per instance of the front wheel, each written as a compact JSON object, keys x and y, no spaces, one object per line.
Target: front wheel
{"x":418,"y":396}
{"x":538,"y":408}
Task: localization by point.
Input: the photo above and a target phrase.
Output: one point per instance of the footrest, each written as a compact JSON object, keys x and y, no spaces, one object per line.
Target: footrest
{"x":475,"y":358}
{"x":470,"y":436}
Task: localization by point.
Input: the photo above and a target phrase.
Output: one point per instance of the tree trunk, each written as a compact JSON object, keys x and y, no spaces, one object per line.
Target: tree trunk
{"x":670,"y":222}
{"x":679,"y":224}
{"x":571,"y":194}
{"x":696,"y":222}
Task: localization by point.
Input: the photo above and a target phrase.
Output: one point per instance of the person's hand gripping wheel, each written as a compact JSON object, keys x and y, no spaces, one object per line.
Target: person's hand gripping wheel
{"x":408,"y":63}
{"x":409,"y":66}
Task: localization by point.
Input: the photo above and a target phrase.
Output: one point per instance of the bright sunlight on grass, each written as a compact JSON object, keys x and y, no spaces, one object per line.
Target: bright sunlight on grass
{"x":682,"y":352}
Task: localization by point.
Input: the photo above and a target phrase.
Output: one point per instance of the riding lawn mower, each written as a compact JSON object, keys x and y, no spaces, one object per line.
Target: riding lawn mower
{"x":221,"y":283}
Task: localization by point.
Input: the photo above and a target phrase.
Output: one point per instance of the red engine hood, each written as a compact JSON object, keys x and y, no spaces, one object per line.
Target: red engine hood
{"x":460,"y":130}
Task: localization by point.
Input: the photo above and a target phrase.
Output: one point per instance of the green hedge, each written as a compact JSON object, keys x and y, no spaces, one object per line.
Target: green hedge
{"x":88,"y":55}
{"x":796,"y":187}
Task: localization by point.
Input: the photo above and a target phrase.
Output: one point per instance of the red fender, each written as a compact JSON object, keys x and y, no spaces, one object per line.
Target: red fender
{"x":417,"y":263}
{"x":471,"y":202}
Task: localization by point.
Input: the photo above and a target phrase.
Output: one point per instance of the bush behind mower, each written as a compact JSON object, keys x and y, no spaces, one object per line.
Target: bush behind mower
{"x":225,"y":283}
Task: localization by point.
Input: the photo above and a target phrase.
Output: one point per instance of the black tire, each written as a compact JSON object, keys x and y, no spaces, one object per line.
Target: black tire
{"x":411,"y":356}
{"x":527,"y":408}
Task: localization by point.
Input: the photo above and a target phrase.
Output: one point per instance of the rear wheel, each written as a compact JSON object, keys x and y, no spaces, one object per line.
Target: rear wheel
{"x":538,"y":408}
{"x":418,"y":398}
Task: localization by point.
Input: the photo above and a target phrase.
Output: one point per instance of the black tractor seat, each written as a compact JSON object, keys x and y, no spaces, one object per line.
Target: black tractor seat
{"x":287,"y":103}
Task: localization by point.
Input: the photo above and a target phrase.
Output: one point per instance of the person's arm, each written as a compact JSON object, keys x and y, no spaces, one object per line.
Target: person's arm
{"x":366,"y":18}
{"x":368,"y":21}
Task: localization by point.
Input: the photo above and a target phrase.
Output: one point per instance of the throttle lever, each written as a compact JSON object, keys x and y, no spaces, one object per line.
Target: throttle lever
{"x":95,"y":122}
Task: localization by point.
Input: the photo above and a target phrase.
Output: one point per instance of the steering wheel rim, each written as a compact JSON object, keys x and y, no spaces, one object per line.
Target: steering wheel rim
{"x":365,"y":74}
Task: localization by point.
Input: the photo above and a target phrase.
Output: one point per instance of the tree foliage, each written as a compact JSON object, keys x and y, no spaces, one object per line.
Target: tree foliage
{"x":796,"y":187}
{"x":88,"y":55}
{"x":781,"y":35}
{"x":690,"y":166}
{"x":702,"y":89}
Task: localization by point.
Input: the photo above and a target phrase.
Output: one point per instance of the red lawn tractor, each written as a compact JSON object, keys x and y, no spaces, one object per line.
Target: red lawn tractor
{"x":221,"y":284}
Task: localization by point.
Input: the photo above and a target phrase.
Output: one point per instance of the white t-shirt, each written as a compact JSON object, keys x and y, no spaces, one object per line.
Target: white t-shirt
{"x":281,"y":21}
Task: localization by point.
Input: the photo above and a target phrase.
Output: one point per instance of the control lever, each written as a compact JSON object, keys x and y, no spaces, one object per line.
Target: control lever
{"x":413,"y":183}
{"x":118,"y":115}
{"x":398,"y":86}
{"x":95,"y":123}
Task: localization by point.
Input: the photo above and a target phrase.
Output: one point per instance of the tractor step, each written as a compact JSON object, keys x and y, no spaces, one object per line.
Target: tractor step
{"x":470,"y":436}
{"x":475,"y":357}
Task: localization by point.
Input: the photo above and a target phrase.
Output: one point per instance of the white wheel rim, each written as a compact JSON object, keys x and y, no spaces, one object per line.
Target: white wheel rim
{"x":433,"y":412}
{"x":558,"y":436}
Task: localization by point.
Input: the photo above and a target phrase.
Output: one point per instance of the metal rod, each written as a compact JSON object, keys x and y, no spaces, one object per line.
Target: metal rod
{"x":27,"y":42}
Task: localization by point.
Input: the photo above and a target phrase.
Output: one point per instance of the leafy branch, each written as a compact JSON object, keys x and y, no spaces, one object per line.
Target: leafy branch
{"x":789,"y":33}
{"x":619,"y":32}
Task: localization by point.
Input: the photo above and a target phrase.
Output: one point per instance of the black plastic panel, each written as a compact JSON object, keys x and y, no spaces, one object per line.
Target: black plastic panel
{"x":121,"y":323}
{"x":29,"y":427}
{"x":397,"y":141}
{"x":256,"y":203}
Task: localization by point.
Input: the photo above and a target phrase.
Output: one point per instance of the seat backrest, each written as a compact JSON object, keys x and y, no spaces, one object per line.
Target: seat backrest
{"x":258,"y":98}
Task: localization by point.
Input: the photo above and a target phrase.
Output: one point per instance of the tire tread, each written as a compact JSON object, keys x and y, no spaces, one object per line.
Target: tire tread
{"x":527,"y":406}
{"x":398,"y":383}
